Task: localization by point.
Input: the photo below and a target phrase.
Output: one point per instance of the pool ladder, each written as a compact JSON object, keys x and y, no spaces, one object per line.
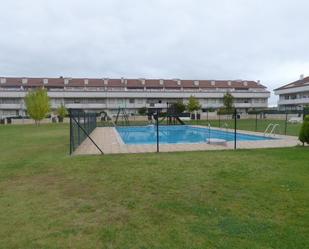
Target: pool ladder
{"x":270,"y":129}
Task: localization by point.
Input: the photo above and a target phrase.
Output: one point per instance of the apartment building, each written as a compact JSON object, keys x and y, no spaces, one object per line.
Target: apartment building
{"x":132,"y":94}
{"x":295,"y":95}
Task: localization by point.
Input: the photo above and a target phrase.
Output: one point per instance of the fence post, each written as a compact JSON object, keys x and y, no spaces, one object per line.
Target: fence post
{"x":71,"y":133}
{"x":157,"y":124}
{"x":256,"y":122}
{"x":78,"y":130}
{"x":85,"y":124}
{"x":286,"y":122}
{"x":235,"y":128}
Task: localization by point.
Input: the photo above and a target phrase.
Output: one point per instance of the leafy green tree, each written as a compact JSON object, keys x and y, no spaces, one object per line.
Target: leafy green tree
{"x":178,"y":107}
{"x":62,"y":112}
{"x":142,"y":111}
{"x":304,"y":131}
{"x":37,"y":104}
{"x":193,"y":104}
{"x":228,"y":102}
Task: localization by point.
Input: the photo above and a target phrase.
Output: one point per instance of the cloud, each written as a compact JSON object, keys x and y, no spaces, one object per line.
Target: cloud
{"x":225,"y":39}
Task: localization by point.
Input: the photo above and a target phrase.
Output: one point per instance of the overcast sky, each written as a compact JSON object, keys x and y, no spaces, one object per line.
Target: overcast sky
{"x":265,"y":40}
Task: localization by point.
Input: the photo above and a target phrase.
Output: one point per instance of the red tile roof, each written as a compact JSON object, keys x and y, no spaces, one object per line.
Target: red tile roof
{"x":134,"y":83}
{"x":297,"y":83}
{"x":154,"y":84}
{"x":171,"y":84}
{"x":115,"y":83}
{"x":137,"y":83}
{"x":189,"y":84}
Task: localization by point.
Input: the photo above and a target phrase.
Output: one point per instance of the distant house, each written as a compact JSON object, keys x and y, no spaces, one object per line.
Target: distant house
{"x":295,"y":95}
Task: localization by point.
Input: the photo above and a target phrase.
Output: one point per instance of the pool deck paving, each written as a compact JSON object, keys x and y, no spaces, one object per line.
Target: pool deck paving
{"x":110,"y":142}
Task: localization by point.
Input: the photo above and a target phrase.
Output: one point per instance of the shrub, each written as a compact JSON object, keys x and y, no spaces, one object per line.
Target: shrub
{"x":228,"y":102}
{"x":38,"y":104}
{"x":223,"y":111}
{"x":62,"y":112}
{"x":193,"y":104}
{"x":304,"y":131}
{"x":142,"y":111}
{"x":178,"y":107}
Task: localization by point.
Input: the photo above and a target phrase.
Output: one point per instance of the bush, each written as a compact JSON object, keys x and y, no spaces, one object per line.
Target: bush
{"x":224,"y":111}
{"x":62,"y":112}
{"x":178,"y":107}
{"x":142,"y":111}
{"x":304,"y":131}
{"x":38,"y":104}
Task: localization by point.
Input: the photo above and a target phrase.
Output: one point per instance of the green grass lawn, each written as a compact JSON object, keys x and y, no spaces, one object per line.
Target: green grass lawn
{"x":220,"y":199}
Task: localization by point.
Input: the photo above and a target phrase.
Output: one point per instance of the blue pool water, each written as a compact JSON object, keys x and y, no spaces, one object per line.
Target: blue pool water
{"x":178,"y":134}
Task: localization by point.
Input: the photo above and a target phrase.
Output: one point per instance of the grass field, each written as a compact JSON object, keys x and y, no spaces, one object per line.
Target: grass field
{"x":224,"y":199}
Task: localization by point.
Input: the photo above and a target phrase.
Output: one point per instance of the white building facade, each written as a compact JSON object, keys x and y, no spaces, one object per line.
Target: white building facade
{"x":295,"y":95}
{"x":132,"y":94}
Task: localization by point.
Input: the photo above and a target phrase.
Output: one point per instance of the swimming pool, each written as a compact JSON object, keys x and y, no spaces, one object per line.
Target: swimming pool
{"x":179,"y":134}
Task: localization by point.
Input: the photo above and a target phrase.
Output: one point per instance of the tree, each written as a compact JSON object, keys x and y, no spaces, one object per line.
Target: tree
{"x":142,"y":111}
{"x":228,"y":102}
{"x":304,"y":131}
{"x":37,"y":104}
{"x":62,"y":112}
{"x":193,"y":104}
{"x":178,"y":107}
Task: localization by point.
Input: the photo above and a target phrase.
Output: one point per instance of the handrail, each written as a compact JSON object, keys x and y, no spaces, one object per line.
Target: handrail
{"x":267,"y":128}
{"x":209,"y":126}
{"x":274,"y":128}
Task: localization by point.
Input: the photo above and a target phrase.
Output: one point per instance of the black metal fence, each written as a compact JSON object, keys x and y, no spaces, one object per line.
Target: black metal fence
{"x":81,"y":125}
{"x":268,"y":122}
{"x":287,"y":122}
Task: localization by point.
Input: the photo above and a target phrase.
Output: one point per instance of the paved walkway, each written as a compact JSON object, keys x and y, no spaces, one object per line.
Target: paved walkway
{"x":110,"y":142}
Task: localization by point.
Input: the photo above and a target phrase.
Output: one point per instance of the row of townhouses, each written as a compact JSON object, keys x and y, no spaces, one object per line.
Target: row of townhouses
{"x":132,"y":94}
{"x":295,"y":95}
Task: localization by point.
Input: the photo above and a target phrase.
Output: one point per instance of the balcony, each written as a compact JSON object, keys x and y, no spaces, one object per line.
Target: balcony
{"x":293,"y":101}
{"x":11,"y":106}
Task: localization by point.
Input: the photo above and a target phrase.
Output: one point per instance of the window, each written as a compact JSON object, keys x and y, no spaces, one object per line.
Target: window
{"x":9,"y":101}
{"x":131,"y":101}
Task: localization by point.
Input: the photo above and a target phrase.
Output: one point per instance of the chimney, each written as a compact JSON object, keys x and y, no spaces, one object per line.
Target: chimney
{"x":143,"y":81}
{"x":24,"y":80}
{"x":196,"y":83}
{"x":161,"y":82}
{"x":301,"y":77}
{"x":86,"y":81}
{"x":229,"y":83}
{"x":3,"y":80}
{"x":213,"y":83}
{"x":178,"y":81}
{"x":66,"y":81}
{"x":45,"y":81}
{"x":245,"y":83}
{"x":105,"y":81}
